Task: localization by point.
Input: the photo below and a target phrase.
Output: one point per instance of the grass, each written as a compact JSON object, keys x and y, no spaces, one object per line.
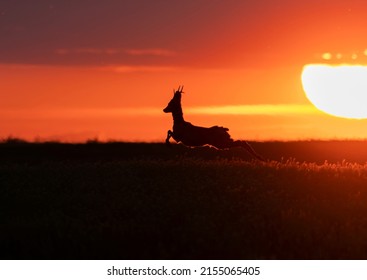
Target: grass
{"x":147,"y":201}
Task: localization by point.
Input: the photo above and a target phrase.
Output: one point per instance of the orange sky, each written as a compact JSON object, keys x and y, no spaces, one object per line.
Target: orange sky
{"x":72,"y":72}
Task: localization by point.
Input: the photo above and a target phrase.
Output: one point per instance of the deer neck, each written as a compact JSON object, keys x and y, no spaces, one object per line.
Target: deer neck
{"x":178,"y":116}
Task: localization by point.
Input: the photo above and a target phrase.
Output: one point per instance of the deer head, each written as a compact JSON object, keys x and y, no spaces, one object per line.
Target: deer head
{"x":175,"y":102}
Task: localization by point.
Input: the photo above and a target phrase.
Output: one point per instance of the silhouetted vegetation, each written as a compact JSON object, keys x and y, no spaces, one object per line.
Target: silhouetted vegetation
{"x":149,"y":201}
{"x":13,"y":140}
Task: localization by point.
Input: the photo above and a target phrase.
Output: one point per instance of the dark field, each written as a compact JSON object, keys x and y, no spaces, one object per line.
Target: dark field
{"x":148,"y":201}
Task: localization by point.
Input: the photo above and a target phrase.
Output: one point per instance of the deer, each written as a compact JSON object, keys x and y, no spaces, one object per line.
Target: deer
{"x":195,"y":136}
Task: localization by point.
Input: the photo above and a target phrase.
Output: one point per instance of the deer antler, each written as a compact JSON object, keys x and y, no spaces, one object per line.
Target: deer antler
{"x":179,"y":90}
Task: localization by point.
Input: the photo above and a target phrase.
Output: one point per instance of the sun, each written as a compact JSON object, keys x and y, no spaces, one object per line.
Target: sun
{"x":338,"y":90}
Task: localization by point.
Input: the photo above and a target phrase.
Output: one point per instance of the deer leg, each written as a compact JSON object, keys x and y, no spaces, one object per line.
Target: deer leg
{"x":169,"y":135}
{"x":249,"y":149}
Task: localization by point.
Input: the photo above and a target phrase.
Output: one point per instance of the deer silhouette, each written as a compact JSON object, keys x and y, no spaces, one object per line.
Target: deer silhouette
{"x":191,"y":135}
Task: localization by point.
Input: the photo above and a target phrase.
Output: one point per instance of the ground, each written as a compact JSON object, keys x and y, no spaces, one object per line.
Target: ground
{"x":149,"y":201}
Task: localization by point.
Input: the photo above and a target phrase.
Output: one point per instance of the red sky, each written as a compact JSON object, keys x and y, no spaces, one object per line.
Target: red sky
{"x":83,"y":69}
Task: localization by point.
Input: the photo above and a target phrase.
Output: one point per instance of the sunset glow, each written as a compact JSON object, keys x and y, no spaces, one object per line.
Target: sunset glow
{"x":339,"y":90}
{"x":71,"y":72}
{"x":253,"y":110}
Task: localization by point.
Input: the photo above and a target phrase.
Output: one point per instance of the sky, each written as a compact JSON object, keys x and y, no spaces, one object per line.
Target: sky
{"x":78,"y":70}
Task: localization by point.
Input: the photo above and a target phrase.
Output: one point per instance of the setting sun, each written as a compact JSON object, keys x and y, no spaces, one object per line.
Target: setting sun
{"x":339,"y":90}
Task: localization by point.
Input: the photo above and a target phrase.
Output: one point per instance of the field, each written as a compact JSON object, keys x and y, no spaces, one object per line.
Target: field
{"x":149,"y":201}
